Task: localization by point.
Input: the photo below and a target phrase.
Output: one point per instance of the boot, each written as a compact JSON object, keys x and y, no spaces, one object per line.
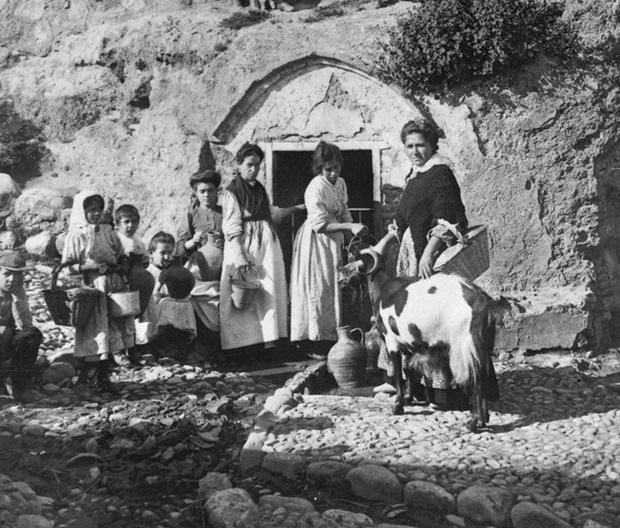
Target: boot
{"x":103,"y":382}
{"x":87,"y":378}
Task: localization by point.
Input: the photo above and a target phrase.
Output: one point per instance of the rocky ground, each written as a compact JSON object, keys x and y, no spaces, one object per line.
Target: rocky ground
{"x":167,"y":452}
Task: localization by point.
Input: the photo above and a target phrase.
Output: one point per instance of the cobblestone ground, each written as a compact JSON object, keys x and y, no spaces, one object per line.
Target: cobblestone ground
{"x":135,"y":460}
{"x":553,"y":439}
{"x":75,"y":460}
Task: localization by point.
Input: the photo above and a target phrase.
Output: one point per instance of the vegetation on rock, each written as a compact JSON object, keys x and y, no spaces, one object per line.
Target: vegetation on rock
{"x":445,"y":42}
{"x":241,"y":19}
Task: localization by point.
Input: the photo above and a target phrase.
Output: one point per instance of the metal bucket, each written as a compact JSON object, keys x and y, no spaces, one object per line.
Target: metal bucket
{"x":124,"y":304}
{"x":244,"y":284}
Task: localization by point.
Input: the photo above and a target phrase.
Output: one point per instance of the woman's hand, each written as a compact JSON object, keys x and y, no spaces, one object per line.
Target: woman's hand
{"x":356,"y":228}
{"x":425,"y":266}
{"x":300,"y":207}
{"x":196,"y":238}
{"x":219,"y":242}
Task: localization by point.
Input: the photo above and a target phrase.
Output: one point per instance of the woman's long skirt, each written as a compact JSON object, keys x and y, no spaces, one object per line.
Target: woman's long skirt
{"x":315,"y":295}
{"x":265,"y":320}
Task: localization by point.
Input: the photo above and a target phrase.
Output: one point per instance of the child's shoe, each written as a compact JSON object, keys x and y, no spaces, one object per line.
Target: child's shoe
{"x":120,"y":359}
{"x":87,"y":380}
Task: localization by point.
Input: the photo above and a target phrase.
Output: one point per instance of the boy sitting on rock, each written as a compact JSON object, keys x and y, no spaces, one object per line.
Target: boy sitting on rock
{"x":19,"y":339}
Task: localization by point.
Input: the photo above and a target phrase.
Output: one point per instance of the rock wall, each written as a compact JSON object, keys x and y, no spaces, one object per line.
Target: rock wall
{"x":123,"y":96}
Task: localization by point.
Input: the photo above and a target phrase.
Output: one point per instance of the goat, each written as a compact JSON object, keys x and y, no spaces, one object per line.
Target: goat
{"x":445,"y":319}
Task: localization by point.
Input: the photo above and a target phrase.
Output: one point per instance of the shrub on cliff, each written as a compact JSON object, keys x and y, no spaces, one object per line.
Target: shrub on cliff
{"x":445,"y":42}
{"x":241,"y":19}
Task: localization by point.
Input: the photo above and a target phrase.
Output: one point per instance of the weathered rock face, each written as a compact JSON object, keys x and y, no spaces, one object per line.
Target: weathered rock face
{"x":123,"y":98}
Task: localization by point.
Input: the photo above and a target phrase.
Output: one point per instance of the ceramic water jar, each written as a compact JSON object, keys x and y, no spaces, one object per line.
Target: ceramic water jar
{"x":346,"y":360}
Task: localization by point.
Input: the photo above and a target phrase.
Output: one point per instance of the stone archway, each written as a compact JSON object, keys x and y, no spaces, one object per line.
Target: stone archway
{"x":317,"y":98}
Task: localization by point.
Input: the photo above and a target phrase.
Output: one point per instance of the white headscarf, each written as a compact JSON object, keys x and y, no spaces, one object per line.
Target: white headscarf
{"x":89,"y":242}
{"x":77,"y":220}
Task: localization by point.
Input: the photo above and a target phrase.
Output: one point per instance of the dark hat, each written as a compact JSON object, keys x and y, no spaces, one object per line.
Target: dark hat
{"x":12,"y":261}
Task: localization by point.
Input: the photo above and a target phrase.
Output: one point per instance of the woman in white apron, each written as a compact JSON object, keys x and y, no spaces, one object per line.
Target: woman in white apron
{"x":251,"y":240}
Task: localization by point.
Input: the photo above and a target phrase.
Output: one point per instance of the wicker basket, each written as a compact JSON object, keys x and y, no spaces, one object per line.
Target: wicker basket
{"x":71,"y":307}
{"x":469,"y":257}
{"x":82,"y":303}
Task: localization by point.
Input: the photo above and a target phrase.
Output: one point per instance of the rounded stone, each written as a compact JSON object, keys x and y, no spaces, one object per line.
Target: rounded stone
{"x":224,"y":508}
{"x":423,"y":494}
{"x":375,"y":483}
{"x":290,"y":504}
{"x":530,"y":515}
{"x":37,"y":207}
{"x":9,"y":191}
{"x":347,"y":518}
{"x":58,"y":372}
{"x":486,"y":504}
{"x":288,"y":465}
{"x":42,"y":244}
{"x":329,"y":474}
{"x":212,"y":483}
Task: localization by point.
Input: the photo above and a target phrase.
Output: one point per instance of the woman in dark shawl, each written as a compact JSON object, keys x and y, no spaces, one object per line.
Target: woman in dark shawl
{"x":430,"y":207}
{"x":251,"y":240}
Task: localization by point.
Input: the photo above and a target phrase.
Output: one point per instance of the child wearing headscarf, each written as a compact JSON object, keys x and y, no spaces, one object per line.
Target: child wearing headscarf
{"x":95,"y":250}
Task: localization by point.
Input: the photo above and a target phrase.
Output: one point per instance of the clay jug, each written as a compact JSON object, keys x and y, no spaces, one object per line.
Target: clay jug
{"x":213,"y":257}
{"x":178,"y":281}
{"x":141,"y":280}
{"x":347,"y":358}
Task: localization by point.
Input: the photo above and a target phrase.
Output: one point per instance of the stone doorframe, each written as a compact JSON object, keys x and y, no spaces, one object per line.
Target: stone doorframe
{"x":374,"y":146}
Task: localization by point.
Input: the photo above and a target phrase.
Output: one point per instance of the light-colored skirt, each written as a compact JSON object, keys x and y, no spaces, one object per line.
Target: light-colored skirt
{"x":315,"y":295}
{"x":266,"y":319}
{"x":104,"y":335}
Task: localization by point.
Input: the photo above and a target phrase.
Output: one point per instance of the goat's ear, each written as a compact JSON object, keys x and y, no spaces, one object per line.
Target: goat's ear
{"x":371,"y":261}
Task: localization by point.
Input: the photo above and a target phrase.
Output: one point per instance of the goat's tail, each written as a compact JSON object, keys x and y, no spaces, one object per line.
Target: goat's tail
{"x":471,"y":356}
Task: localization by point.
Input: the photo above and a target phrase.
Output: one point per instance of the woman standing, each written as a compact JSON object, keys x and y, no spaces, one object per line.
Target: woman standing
{"x":317,"y":254}
{"x":431,"y":200}
{"x":251,"y":240}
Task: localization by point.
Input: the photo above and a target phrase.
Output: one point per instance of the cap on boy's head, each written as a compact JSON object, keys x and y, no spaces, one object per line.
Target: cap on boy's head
{"x":12,"y":261}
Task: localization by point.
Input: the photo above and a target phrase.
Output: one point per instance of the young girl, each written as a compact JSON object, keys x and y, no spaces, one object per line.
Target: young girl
{"x":200,"y":237}
{"x":94,"y":250}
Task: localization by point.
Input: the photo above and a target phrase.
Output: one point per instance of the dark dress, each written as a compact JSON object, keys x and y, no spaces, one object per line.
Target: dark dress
{"x":208,"y":255}
{"x":430,"y":196}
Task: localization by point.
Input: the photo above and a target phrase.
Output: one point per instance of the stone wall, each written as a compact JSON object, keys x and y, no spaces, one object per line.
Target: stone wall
{"x":123,"y":96}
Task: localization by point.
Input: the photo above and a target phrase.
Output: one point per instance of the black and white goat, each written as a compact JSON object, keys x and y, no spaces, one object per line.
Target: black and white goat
{"x":442,"y":320}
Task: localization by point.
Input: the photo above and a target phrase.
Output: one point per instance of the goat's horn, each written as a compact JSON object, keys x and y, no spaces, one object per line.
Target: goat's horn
{"x":376,"y":259}
{"x":380,"y":246}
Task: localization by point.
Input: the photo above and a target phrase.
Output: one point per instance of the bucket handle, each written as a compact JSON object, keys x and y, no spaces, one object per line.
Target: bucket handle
{"x":240,"y":271}
{"x":56,"y":271}
{"x":361,"y":339}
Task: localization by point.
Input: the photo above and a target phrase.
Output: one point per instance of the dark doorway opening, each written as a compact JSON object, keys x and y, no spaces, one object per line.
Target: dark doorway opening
{"x":292,"y":172}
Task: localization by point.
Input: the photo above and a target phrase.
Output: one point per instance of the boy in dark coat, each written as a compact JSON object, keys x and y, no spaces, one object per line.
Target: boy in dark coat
{"x":19,"y":339}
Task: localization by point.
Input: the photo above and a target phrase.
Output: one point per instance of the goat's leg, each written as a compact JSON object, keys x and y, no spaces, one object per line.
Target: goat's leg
{"x":484,"y":411}
{"x":476,"y":421}
{"x":399,"y":405}
{"x":428,"y":384}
